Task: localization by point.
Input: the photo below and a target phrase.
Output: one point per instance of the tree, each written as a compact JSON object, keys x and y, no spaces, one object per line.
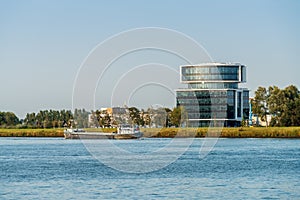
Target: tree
{"x":48,"y":119}
{"x":291,"y":109}
{"x":275,"y":100}
{"x":178,"y":116}
{"x":146,"y":118}
{"x":2,"y":118}
{"x":142,"y":117}
{"x":282,"y":104}
{"x":30,"y":120}
{"x":286,"y":112}
{"x":105,"y":120}
{"x":168,"y":121}
{"x":95,"y":117}
{"x":65,"y":118}
{"x":259,"y":104}
{"x":81,"y":118}
{"x":8,"y":119}
{"x":135,"y":117}
{"x":297,"y":111}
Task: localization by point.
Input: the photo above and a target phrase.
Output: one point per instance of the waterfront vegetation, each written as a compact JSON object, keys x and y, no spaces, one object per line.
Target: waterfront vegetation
{"x":5,"y":132}
{"x":240,"y":132}
{"x":283,"y":105}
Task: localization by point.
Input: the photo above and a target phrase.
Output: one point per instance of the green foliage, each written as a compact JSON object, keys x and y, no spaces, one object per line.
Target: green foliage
{"x":95,"y":118}
{"x":48,"y":119}
{"x":152,"y":117}
{"x":145,"y":117}
{"x":135,"y":116}
{"x":282,"y":104}
{"x":8,"y":119}
{"x":105,"y":119}
{"x":287,"y":109}
{"x":178,"y":116}
{"x":81,"y":117}
{"x":101,"y":119}
{"x":259,"y":103}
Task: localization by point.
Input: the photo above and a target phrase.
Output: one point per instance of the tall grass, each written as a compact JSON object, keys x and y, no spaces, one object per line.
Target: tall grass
{"x":31,"y":132}
{"x":241,"y":132}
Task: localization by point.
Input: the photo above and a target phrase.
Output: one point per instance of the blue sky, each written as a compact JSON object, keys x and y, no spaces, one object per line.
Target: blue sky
{"x":43,"y":43}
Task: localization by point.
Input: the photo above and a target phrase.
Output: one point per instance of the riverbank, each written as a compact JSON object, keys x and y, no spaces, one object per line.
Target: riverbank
{"x":240,"y":132}
{"x":31,"y":132}
{"x":52,"y":132}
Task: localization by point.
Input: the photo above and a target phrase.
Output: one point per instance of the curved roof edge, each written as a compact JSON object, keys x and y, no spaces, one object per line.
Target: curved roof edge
{"x":215,"y":64}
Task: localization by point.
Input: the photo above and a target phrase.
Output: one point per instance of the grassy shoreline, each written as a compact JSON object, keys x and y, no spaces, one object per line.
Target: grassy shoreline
{"x":31,"y":132}
{"x":240,"y":132}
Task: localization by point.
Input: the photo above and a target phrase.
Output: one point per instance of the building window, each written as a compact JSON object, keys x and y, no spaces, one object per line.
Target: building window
{"x":239,"y":104}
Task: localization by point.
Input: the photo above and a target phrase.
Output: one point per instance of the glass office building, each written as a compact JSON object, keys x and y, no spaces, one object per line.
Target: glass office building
{"x":212,"y":94}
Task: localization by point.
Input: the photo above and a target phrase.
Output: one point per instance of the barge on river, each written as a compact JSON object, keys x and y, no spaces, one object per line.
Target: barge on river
{"x":124,"y":132}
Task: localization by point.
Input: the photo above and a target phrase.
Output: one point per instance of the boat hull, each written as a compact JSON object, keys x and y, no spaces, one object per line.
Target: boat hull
{"x":128,"y":136}
{"x":88,"y":136}
{"x":97,"y":135}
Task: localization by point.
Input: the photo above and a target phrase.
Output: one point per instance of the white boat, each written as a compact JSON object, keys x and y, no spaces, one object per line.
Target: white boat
{"x":124,"y":132}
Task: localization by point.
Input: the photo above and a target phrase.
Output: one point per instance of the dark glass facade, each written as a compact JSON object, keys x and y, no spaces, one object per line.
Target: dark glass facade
{"x":246,"y":106}
{"x":213,"y":94}
{"x":213,"y":73}
{"x":212,"y":85}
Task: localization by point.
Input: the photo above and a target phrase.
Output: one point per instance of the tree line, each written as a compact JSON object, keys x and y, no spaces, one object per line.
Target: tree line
{"x":8,"y":119}
{"x":151,"y":117}
{"x":159,"y":117}
{"x":282,"y":104}
{"x":48,"y":119}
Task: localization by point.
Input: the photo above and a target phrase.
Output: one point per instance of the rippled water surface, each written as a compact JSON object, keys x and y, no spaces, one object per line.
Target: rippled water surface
{"x":54,"y":168}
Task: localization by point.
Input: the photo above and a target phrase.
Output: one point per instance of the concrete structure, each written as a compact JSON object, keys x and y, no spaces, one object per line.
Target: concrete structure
{"x":213,"y":94}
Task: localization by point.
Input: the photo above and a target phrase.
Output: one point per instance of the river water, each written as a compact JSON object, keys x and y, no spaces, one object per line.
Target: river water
{"x":54,"y":168}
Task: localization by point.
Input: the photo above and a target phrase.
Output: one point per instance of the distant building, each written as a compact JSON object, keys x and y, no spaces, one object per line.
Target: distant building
{"x":91,"y":120}
{"x":119,"y":110}
{"x":117,"y":115}
{"x":213,"y":95}
{"x":257,"y":121}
